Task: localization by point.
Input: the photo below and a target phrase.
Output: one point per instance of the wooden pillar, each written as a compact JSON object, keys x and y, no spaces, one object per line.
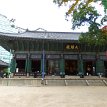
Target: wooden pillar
{"x":28,"y":68}
{"x":28,"y":65}
{"x":62,"y":67}
{"x":80,"y":66}
{"x":13,"y":65}
{"x":100,"y":67}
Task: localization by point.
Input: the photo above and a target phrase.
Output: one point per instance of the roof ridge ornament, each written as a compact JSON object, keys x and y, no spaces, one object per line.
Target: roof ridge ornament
{"x":40,"y":29}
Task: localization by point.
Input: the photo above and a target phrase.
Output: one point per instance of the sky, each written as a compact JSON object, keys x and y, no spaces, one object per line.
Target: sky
{"x":34,"y":14}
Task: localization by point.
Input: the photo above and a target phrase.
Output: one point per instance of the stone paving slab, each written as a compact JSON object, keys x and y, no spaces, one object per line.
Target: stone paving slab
{"x":14,"y":96}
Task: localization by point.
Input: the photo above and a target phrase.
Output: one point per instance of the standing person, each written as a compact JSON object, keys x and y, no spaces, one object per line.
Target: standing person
{"x":89,"y":70}
{"x":35,"y":74}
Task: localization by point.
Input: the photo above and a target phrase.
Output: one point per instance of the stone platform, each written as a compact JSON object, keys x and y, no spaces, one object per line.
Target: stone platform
{"x":54,"y":81}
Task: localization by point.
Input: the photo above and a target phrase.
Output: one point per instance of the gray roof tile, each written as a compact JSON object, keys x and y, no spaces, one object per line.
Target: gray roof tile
{"x":42,"y":35}
{"x":2,"y":63}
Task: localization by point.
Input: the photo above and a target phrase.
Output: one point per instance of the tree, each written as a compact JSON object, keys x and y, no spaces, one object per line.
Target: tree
{"x":75,"y":3}
{"x":82,"y":12}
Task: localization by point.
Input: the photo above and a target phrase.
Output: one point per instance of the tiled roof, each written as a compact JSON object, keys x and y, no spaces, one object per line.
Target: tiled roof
{"x":42,"y":35}
{"x":2,"y":63}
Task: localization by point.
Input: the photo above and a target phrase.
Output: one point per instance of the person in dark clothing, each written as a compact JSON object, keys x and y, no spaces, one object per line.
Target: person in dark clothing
{"x":35,"y":74}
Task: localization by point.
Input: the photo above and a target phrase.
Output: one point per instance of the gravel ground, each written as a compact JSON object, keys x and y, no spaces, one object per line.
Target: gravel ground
{"x":73,"y":96}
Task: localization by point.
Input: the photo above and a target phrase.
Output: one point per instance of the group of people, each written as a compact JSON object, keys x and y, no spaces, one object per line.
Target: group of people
{"x":36,"y":74}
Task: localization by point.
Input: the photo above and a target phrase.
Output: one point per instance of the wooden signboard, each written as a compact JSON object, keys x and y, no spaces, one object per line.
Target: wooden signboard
{"x":71,"y":46}
{"x":35,"y":56}
{"x":52,"y":56}
{"x":21,"y":56}
{"x":74,"y":57}
{"x":88,"y":57}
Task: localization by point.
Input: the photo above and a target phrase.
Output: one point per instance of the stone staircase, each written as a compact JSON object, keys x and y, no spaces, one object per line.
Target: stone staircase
{"x":75,"y":81}
{"x":54,"y":82}
{"x":96,"y":82}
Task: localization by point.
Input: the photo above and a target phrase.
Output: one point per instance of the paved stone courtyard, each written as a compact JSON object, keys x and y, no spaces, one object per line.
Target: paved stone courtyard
{"x":71,"y":96}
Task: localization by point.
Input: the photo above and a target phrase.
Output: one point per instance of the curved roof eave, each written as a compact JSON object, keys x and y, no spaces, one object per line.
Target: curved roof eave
{"x":42,"y":35}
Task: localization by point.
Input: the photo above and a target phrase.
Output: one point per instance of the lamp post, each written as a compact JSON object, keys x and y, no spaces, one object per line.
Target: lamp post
{"x":43,"y":64}
{"x":43,"y":58}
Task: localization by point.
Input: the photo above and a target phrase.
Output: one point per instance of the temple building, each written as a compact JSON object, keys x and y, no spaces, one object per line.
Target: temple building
{"x":53,"y":53}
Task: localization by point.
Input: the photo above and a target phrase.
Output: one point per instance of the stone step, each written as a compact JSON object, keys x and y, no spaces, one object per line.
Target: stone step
{"x":96,"y":82}
{"x":52,"y":82}
{"x":76,"y":82}
{"x":55,"y":82}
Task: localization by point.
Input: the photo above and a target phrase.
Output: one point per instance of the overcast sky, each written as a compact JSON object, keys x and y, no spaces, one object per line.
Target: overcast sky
{"x":33,"y":14}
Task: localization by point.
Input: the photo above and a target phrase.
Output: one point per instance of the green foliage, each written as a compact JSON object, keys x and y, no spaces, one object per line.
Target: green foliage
{"x":84,"y":14}
{"x":94,"y":37}
{"x":57,"y":1}
{"x":104,"y":19}
{"x":104,"y":3}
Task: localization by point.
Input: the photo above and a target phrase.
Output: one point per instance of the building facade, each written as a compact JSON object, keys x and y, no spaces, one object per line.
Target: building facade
{"x":53,"y":53}
{"x":7,"y":26}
